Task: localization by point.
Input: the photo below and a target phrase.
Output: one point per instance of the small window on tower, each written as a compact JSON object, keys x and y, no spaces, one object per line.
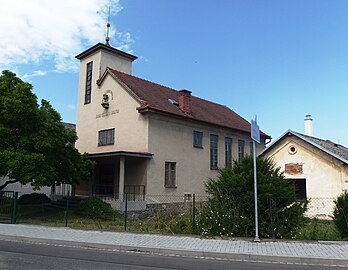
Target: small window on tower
{"x":88,"y":89}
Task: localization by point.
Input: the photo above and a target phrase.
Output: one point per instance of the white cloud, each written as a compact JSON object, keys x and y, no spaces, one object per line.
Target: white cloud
{"x":35,"y":73}
{"x":143,"y":58}
{"x":71,"y":107}
{"x":38,"y":31}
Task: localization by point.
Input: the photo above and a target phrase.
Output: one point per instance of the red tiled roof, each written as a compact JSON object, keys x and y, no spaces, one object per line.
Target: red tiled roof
{"x":156,"y":97}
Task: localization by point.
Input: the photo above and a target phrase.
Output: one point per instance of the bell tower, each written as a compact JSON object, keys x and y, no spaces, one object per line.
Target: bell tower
{"x":93,"y":63}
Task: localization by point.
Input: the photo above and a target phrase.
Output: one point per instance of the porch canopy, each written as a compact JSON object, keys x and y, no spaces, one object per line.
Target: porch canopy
{"x":119,"y":172}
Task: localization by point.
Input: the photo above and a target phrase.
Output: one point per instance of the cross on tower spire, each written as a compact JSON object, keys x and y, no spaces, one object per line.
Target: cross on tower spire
{"x":107,"y":31}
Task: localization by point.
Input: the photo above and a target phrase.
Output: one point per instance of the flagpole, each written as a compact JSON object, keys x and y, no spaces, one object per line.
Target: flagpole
{"x":255,"y":136}
{"x":257,"y":239}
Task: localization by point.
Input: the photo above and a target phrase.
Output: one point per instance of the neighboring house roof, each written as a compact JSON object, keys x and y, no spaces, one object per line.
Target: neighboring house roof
{"x":335,"y":150}
{"x":69,"y":125}
{"x":159,"y":98}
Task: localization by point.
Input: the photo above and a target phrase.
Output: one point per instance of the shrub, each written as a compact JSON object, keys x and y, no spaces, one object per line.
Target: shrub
{"x":96,"y":208}
{"x":230,"y":209}
{"x":341,"y":215}
{"x":33,"y":198}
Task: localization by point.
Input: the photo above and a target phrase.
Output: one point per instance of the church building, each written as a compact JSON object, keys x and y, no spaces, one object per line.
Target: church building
{"x":146,"y":138}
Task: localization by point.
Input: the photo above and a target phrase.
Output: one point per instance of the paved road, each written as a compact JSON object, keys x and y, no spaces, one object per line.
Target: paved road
{"x":18,"y":255}
{"x":306,"y":253}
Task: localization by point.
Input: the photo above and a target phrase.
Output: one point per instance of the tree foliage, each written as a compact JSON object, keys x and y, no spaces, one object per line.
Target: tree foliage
{"x":341,"y":215}
{"x":35,"y":147}
{"x":230,"y":209}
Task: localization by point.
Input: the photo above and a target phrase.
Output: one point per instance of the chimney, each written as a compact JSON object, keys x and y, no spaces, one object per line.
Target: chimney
{"x":308,"y":122}
{"x":185,"y":101}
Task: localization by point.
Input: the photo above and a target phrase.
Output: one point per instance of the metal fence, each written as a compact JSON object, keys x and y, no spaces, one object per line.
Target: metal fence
{"x":8,"y":206}
{"x":174,"y":214}
{"x":317,"y":208}
{"x":166,"y":213}
{"x":321,"y":208}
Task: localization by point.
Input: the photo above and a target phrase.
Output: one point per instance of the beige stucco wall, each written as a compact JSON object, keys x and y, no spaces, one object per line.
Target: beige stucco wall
{"x":168,"y":138}
{"x":130,"y":126}
{"x":114,"y":61}
{"x":325,"y":175}
{"x":172,"y":140}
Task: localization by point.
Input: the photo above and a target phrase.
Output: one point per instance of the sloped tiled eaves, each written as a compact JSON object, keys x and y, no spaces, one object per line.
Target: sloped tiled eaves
{"x":156,"y":97}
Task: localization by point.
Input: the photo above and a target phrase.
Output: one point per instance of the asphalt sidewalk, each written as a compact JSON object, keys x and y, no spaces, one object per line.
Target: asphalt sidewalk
{"x":318,"y":253}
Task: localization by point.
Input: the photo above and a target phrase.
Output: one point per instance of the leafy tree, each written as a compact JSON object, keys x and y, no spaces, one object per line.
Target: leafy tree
{"x":35,"y":147}
{"x":230,"y":209}
{"x":341,"y":215}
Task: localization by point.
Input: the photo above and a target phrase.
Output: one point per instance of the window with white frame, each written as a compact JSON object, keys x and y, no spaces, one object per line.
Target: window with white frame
{"x":228,"y":152}
{"x":213,"y":152}
{"x":106,"y":137}
{"x":251,"y":149}
{"x":170,"y":174}
{"x":241,"y":144}
{"x":197,"y":139}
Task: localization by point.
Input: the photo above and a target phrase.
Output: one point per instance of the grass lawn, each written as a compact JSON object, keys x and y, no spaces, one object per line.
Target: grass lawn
{"x":318,"y":230}
{"x":34,"y":214}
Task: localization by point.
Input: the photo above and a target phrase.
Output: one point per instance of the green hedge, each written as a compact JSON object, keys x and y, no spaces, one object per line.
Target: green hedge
{"x":96,"y":208}
{"x":341,"y":215}
{"x":33,"y":198}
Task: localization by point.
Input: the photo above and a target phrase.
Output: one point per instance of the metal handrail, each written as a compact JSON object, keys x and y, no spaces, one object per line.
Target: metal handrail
{"x":135,"y":192}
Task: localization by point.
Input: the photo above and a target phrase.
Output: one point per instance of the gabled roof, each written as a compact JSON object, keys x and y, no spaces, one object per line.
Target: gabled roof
{"x":100,"y":46}
{"x":158,"y":98}
{"x":335,"y":150}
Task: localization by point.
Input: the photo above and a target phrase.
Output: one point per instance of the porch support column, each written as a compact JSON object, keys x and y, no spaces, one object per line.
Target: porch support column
{"x":121,"y":178}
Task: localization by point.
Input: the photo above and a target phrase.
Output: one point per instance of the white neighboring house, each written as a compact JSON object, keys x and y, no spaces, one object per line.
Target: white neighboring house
{"x":58,"y":190}
{"x":23,"y":189}
{"x":318,"y":169}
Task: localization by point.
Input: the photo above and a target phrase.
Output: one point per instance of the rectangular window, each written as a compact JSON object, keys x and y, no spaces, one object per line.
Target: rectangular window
{"x":228,"y":152}
{"x":106,"y":137}
{"x":251,"y":149}
{"x":88,"y":90}
{"x":197,"y":139}
{"x":214,"y":152}
{"x":170,"y":174}
{"x":300,"y":188}
{"x":240,"y":149}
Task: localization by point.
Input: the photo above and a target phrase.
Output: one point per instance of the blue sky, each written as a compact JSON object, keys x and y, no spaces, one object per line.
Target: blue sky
{"x":280,"y":60}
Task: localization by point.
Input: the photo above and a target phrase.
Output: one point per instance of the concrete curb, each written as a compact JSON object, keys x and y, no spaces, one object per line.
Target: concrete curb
{"x":185,"y":253}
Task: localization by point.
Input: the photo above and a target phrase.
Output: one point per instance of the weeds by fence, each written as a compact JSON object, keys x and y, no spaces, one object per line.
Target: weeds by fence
{"x":168,"y":214}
